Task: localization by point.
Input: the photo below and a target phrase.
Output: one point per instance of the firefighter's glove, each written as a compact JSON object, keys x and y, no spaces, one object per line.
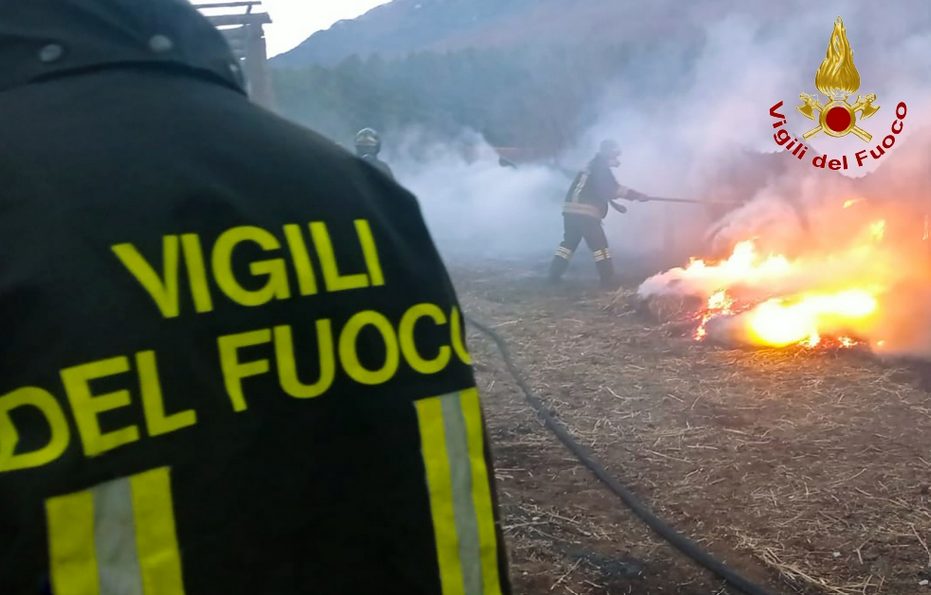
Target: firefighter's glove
{"x":619,"y":208}
{"x":638,"y":196}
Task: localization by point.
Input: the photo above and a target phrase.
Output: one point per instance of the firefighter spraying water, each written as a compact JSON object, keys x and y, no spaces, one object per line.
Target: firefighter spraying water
{"x":593,"y":191}
{"x":586,"y":206}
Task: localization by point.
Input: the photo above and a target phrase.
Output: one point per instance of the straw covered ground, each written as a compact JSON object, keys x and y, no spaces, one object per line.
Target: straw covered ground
{"x":808,"y":470}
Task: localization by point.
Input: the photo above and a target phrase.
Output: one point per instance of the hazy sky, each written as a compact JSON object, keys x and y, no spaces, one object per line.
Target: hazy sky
{"x":295,"y":20}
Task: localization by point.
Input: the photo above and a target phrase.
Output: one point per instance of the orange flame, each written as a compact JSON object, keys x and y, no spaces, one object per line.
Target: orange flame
{"x":781,"y":322}
{"x":719,"y":304}
{"x":851,"y":202}
{"x":775,"y":301}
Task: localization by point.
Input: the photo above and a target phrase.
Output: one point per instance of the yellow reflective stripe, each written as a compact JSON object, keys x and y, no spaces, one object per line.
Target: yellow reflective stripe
{"x":156,"y":541}
{"x":481,"y":493}
{"x":439,"y":483}
{"x":577,"y":208}
{"x":72,"y":556}
{"x":115,"y":538}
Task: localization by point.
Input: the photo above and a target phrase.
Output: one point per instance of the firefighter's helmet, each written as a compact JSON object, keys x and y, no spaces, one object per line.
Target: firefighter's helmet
{"x":368,"y":142}
{"x":611,"y":151}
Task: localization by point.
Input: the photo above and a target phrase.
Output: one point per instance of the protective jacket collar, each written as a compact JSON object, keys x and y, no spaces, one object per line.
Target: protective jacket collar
{"x":45,"y":39}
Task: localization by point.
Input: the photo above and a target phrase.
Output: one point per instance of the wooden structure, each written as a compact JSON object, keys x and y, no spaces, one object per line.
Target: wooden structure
{"x":241,"y":23}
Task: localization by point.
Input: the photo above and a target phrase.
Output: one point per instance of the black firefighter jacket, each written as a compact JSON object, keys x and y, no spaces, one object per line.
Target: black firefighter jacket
{"x":231,"y":359}
{"x":592,"y":190}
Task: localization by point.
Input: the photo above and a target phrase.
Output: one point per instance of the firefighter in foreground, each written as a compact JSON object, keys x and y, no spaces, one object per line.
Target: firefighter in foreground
{"x":232,"y":361}
{"x":368,"y":146}
{"x":586,"y":206}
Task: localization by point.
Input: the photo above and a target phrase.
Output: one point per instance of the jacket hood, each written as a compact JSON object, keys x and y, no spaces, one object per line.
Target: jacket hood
{"x":44,"y":39}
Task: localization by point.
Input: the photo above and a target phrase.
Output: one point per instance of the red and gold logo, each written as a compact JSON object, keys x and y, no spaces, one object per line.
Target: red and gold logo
{"x":837,"y":79}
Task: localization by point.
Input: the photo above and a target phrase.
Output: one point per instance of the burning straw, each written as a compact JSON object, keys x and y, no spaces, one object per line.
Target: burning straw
{"x":840,"y":291}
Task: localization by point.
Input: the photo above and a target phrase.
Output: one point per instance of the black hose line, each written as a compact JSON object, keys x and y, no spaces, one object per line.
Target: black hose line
{"x":659,"y":526}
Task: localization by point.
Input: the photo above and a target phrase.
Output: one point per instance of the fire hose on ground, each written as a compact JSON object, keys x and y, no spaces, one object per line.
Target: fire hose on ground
{"x":641,"y":510}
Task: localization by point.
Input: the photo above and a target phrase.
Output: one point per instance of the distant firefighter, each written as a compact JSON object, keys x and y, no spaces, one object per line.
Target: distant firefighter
{"x":592,"y":191}
{"x":368,"y":146}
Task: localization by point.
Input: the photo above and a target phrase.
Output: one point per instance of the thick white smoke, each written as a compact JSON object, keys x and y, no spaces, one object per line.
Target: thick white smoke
{"x":475,"y":207}
{"x":714,"y":139}
{"x":726,"y":148}
{"x":709,"y":140}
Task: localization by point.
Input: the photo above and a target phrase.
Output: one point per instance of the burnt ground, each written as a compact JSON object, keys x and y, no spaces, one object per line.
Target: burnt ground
{"x":808,"y":470}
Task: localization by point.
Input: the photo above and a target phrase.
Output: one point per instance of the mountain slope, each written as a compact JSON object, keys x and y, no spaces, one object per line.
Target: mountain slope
{"x":400,"y":27}
{"x":405,"y":26}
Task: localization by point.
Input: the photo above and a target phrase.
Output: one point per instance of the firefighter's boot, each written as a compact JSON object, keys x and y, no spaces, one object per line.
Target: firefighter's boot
{"x":559,"y":265}
{"x":557,"y":269}
{"x":605,"y":267}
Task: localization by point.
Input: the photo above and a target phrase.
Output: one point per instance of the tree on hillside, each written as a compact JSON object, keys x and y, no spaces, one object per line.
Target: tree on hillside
{"x":538,"y":97}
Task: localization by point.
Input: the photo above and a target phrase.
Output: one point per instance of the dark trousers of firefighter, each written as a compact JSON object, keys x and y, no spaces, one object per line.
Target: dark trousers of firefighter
{"x":576,"y":228}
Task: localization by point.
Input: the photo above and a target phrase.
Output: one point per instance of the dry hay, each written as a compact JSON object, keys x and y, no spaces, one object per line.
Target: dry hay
{"x":815,"y":462}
